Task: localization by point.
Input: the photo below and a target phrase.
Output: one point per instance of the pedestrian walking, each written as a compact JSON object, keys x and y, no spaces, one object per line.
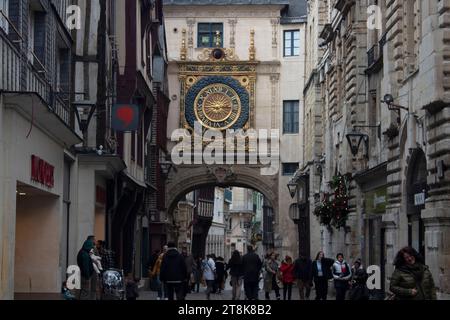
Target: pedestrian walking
{"x":252,"y":265}
{"x":189,"y":261}
{"x":321,"y":273}
{"x":209,"y":274}
{"x":197,"y":274}
{"x":303,"y":274}
{"x":358,"y":286}
{"x":412,"y":279}
{"x":220,"y":274}
{"x":270,"y":277}
{"x":88,"y":289}
{"x":235,"y":268}
{"x":173,"y":272}
{"x":156,"y":276}
{"x":287,"y":275}
{"x":342,"y":275}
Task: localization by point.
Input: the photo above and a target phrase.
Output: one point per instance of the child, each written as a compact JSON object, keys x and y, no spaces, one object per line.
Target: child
{"x":96,"y":262}
{"x":132,"y":291}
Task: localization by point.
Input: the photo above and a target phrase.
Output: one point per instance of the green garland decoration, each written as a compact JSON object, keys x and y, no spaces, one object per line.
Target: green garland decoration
{"x":334,"y":212}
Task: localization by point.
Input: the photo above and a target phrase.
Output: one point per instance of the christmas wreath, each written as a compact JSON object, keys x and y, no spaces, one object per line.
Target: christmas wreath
{"x":333,"y":210}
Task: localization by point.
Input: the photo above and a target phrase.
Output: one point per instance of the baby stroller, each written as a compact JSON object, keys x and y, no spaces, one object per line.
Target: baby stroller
{"x":113,"y":285}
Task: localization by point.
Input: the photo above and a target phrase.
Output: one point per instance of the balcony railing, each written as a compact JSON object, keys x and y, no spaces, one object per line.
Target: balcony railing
{"x":18,"y":74}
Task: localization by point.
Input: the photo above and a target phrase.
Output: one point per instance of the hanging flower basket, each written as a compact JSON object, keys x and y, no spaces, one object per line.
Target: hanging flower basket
{"x":334,"y":212}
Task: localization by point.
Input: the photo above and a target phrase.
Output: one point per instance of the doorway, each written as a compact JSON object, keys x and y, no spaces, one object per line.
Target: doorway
{"x":417,"y":192}
{"x":37,"y":241}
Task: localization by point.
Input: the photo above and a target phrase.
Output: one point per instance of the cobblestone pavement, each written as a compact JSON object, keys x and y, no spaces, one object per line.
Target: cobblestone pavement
{"x":227,"y":294}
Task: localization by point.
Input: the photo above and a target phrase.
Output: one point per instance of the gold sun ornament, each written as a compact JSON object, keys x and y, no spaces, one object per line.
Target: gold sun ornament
{"x":217,"y":107}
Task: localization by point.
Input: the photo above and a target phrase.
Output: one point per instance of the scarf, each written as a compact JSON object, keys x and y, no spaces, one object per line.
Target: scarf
{"x":417,"y":270}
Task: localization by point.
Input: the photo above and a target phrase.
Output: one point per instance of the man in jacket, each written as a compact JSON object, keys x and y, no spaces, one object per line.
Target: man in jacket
{"x":173,"y":272}
{"x":303,"y":274}
{"x":342,"y":275}
{"x":189,"y":261}
{"x":252,"y":265}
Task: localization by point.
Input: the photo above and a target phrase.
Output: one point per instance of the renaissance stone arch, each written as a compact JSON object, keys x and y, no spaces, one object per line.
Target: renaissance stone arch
{"x":186,"y":178}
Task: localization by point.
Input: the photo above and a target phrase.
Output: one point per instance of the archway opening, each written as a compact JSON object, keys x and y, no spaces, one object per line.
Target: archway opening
{"x":417,"y":190}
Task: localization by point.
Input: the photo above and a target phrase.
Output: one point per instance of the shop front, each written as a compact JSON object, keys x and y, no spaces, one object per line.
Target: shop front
{"x":373,"y":186}
{"x":33,"y":184}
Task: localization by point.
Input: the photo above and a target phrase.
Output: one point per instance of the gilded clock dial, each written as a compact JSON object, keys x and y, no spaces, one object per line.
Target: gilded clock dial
{"x":217,"y":106}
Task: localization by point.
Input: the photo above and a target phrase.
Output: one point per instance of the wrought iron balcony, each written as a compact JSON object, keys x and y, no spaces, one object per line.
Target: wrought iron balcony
{"x":19,"y":74}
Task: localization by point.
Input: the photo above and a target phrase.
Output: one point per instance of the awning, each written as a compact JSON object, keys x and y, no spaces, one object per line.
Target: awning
{"x":105,"y":164}
{"x":133,"y":180}
{"x":31,"y":106}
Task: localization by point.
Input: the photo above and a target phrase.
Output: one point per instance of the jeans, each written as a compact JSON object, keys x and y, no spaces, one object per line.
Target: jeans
{"x":236,"y":282}
{"x":175,"y":288}
{"x":209,"y":288}
{"x":251,"y":289}
{"x":274,"y":287}
{"x":321,"y":284}
{"x":304,"y":285}
{"x":88,"y":288}
{"x":340,"y":292}
{"x":287,"y":289}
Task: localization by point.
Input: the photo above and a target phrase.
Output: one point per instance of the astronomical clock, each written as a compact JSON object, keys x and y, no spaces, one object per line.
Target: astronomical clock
{"x":217,"y":90}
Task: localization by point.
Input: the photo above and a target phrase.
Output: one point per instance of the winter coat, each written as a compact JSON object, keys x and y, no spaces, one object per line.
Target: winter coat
{"x":326,"y":268}
{"x":359,"y":290}
{"x":189,"y":260}
{"x":84,"y":260}
{"x":271,"y":268}
{"x":252,"y":265}
{"x":236,"y":269}
{"x":341,"y":276}
{"x":287,"y":272}
{"x":303,"y":269}
{"x":418,"y":277}
{"x":209,"y":269}
{"x":157,"y":266}
{"x":220,"y":270}
{"x":173,"y":267}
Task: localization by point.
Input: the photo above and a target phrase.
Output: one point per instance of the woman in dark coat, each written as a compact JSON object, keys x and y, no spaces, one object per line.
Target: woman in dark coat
{"x":321,"y":272}
{"x":220,"y":274}
{"x":412,"y":280}
{"x":236,"y":273}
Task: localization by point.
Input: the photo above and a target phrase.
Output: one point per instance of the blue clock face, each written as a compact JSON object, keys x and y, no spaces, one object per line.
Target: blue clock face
{"x":217,"y":103}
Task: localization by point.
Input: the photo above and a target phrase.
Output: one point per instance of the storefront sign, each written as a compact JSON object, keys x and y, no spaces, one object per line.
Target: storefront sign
{"x":42,"y":172}
{"x":419,"y":199}
{"x":376,"y":200}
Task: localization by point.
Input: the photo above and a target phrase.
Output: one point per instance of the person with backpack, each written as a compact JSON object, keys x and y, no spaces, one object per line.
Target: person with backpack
{"x":209,"y":274}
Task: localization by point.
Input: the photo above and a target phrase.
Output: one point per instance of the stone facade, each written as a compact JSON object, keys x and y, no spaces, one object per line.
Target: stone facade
{"x":274,"y":78}
{"x":399,"y":186}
